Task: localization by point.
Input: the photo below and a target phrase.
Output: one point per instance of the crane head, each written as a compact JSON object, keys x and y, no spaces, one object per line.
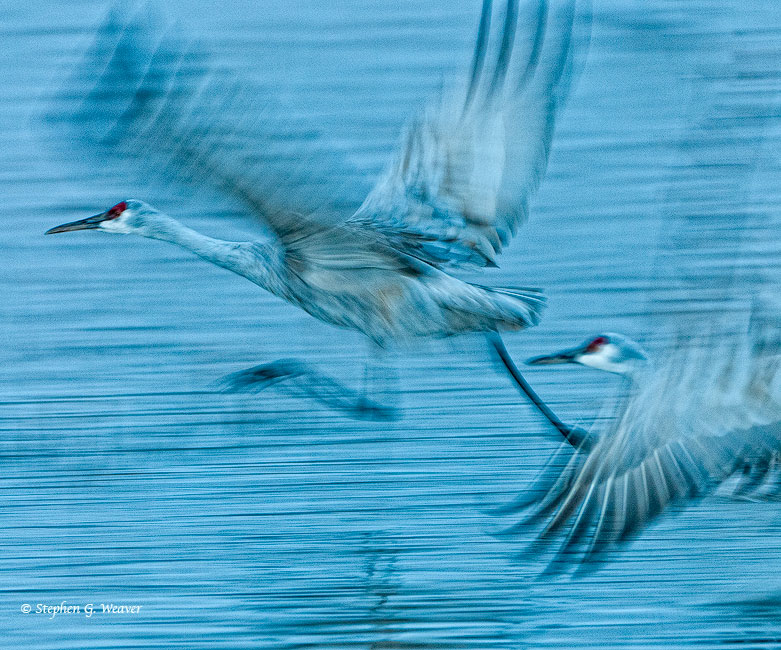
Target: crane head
{"x":610,"y":352}
{"x":124,"y":217}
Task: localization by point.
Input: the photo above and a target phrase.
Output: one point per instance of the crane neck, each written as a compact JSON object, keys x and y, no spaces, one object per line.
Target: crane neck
{"x":250,"y":259}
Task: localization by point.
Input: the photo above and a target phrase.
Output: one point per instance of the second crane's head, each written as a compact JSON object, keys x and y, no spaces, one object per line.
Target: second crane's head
{"x":610,"y":352}
{"x":130,"y":216}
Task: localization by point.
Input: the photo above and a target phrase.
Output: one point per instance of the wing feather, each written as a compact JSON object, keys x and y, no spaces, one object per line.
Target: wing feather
{"x":454,"y":194}
{"x":674,"y":438}
{"x":459,"y":186}
{"x":160,"y":101}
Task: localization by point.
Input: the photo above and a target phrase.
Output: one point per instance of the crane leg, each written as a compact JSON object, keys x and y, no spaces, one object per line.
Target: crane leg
{"x":576,"y":436}
{"x":302,"y":380}
{"x":378,"y":374}
{"x":259,"y":377}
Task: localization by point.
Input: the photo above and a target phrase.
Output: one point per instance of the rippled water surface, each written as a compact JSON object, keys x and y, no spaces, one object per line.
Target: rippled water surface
{"x":267,"y":521}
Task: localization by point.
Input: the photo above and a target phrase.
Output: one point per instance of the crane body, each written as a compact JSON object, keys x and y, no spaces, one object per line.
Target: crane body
{"x":452,"y":196}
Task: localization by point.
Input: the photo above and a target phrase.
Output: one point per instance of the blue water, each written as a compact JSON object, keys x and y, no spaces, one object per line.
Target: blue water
{"x":266,"y":521}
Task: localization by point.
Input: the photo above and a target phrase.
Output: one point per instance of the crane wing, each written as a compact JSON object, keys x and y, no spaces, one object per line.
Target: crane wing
{"x":706,"y":413}
{"x":151,"y":95}
{"x":456,"y":192}
{"x":459,"y":186}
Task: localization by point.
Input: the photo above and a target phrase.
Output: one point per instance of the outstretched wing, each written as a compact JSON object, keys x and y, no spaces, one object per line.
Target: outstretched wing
{"x":459,"y":186}
{"x":706,"y":413}
{"x":155,"y":97}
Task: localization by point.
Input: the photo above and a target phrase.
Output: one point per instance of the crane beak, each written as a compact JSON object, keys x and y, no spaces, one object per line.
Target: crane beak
{"x":90,"y":223}
{"x":565,"y":356}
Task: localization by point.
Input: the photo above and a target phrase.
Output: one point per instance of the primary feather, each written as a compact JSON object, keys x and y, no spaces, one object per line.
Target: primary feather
{"x":456,"y":191}
{"x":458,"y":188}
{"x":709,"y":410}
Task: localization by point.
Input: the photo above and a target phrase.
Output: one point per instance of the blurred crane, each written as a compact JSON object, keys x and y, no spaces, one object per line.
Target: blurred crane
{"x":453,"y":196}
{"x":711,"y":410}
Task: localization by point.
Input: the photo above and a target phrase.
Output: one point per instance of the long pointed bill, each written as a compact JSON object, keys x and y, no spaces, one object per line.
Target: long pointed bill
{"x":565,"y":356}
{"x":89,"y":223}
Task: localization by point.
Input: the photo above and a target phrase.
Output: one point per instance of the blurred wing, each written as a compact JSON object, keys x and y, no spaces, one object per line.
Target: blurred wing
{"x":459,"y":186}
{"x":161,"y":102}
{"x":705,"y":414}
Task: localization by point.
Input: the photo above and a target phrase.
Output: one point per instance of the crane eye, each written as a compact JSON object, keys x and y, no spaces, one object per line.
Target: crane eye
{"x":118,"y":209}
{"x":596,"y":344}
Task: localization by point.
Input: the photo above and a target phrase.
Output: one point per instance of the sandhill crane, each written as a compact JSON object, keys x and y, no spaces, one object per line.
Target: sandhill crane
{"x":709,"y":410}
{"x":452,"y":197}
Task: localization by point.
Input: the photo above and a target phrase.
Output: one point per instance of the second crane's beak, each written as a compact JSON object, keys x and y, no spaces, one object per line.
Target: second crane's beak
{"x":565,"y":356}
{"x":90,"y":223}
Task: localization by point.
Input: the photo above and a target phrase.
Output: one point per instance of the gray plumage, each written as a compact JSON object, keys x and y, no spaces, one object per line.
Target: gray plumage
{"x":452,"y":196}
{"x":709,"y":410}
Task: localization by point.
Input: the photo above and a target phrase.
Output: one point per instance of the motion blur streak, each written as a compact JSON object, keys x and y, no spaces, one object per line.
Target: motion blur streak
{"x":271,"y":522}
{"x":451,"y":198}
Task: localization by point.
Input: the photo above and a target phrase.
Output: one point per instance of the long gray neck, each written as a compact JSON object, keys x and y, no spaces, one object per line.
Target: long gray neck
{"x":245,"y":258}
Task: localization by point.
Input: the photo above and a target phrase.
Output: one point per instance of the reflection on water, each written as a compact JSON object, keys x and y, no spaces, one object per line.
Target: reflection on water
{"x":270,"y":521}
